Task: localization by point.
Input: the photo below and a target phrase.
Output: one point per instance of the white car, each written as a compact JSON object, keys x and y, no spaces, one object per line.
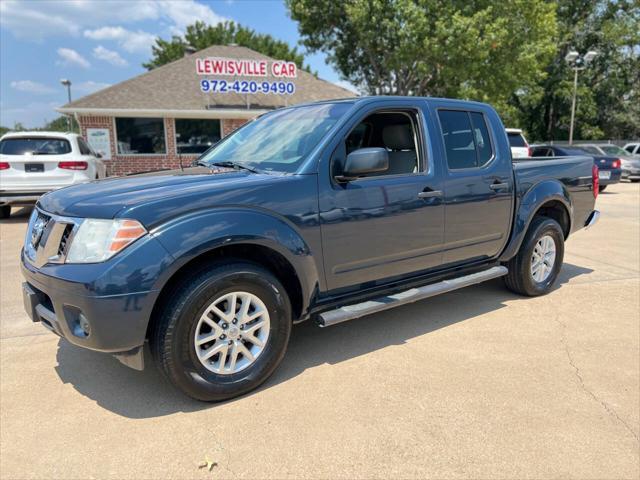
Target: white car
{"x":633,"y":148}
{"x":34,"y":163}
{"x":519,"y":146}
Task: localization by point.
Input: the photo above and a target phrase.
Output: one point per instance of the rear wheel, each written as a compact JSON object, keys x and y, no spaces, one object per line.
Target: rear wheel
{"x":602,"y":188}
{"x":5,"y":211}
{"x":224,"y":332}
{"x":534,"y":270}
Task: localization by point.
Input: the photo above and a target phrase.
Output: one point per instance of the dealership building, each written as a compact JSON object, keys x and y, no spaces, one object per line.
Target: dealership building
{"x":166,"y":117}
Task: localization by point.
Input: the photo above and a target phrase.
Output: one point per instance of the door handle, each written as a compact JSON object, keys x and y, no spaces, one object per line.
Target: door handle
{"x":430,"y":194}
{"x":498,"y":186}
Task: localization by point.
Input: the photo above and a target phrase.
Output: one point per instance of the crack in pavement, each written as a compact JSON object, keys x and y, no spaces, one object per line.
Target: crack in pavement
{"x":583,"y":386}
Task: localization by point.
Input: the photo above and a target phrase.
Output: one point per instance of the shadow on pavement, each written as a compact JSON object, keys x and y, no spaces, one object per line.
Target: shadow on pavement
{"x":146,"y":394}
{"x":18,"y":215}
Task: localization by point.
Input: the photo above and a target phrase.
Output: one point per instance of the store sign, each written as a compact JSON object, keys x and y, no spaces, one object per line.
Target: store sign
{"x":243,"y":68}
{"x":99,"y":141}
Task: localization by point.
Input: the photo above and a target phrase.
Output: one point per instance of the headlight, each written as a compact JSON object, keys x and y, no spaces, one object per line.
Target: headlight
{"x":98,"y":240}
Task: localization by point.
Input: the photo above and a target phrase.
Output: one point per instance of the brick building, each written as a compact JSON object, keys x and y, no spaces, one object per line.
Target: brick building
{"x":171,"y":114}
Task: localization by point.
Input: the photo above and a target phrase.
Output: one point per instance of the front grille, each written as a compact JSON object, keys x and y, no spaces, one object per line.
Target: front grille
{"x":48,"y":237}
{"x":64,"y":240}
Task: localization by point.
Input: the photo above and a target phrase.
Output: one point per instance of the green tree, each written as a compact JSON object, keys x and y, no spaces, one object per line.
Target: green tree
{"x":481,"y":50}
{"x":608,"y":94}
{"x":201,"y":35}
{"x":4,"y":130}
{"x":61,"y":124}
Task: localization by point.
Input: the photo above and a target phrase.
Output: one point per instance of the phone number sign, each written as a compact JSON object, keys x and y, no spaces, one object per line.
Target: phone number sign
{"x":280,"y":69}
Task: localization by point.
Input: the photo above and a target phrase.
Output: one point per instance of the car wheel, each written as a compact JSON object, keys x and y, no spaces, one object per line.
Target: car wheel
{"x":602,"y":188}
{"x":5,"y":211}
{"x":223,"y":332}
{"x":534,"y":270}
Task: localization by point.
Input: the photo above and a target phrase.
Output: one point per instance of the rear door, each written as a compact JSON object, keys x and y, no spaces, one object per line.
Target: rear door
{"x":478,"y":184}
{"x":33,"y":163}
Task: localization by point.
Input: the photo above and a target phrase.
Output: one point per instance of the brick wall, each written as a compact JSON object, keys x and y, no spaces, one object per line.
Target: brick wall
{"x":125,"y":164}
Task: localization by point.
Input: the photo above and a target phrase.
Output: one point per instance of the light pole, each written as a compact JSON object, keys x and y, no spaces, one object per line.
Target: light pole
{"x":67,"y":83}
{"x":577,"y":62}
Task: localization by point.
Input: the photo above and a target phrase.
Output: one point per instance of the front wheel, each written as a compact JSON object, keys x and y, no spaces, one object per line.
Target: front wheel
{"x":534,"y":270}
{"x":224,"y":331}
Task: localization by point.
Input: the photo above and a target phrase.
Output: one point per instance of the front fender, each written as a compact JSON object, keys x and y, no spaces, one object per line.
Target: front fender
{"x":190,"y":236}
{"x":527,"y":207}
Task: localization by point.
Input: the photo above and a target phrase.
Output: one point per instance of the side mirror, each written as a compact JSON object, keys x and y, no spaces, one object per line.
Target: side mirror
{"x":98,"y":155}
{"x":364,"y":161}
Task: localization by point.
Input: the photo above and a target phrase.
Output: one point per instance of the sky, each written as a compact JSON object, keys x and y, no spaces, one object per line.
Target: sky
{"x":97,"y":43}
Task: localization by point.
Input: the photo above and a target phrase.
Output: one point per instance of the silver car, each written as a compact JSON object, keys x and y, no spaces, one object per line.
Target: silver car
{"x":630,"y":164}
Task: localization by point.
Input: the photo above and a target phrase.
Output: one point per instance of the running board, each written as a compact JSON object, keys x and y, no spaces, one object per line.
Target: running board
{"x":350,"y":312}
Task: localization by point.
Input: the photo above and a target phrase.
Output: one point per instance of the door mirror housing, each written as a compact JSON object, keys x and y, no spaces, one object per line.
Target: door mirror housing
{"x":364,"y":161}
{"x":98,"y":154}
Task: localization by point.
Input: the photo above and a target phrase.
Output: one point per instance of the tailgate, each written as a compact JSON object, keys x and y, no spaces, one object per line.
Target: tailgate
{"x":34,"y":172}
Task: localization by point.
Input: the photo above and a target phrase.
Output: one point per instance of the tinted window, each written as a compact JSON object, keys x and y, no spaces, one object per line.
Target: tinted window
{"x":482,"y":138}
{"x":280,"y":140}
{"x":458,"y":140}
{"x":34,"y":145}
{"x":84,"y":148}
{"x":593,"y":150}
{"x":140,"y":135}
{"x":516,"y":140}
{"x":613,"y":150}
{"x":541,"y":152}
{"x":196,"y":136}
{"x":629,"y":148}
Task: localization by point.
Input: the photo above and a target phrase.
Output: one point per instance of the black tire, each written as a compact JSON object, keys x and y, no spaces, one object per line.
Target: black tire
{"x":172,"y":334}
{"x":5,"y":211}
{"x":519,"y":279}
{"x":602,"y":188}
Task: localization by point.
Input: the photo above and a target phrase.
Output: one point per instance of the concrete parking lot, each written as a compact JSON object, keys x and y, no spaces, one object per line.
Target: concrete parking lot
{"x":478,"y":383}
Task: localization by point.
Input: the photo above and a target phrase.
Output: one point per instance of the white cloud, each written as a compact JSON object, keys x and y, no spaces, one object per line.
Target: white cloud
{"x":37,"y":20}
{"x":85,"y":88}
{"x":70,"y":57}
{"x":130,"y":41}
{"x":109,"y":56}
{"x":32,"y":87}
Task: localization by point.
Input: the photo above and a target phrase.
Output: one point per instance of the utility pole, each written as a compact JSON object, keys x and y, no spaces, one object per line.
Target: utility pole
{"x":67,"y":83}
{"x":577,"y":62}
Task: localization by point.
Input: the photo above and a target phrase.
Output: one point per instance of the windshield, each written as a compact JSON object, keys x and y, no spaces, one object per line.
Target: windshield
{"x":278,"y":141}
{"x":593,"y":150}
{"x":613,"y":150}
{"x":38,"y":146}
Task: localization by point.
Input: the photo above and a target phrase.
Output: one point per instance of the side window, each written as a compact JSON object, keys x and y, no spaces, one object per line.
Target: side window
{"x":482,"y":138}
{"x":395,"y":131}
{"x":540,"y":152}
{"x":84,"y":148}
{"x":458,"y":140}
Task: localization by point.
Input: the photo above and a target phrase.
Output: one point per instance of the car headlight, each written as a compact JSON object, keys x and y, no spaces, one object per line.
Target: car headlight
{"x":98,"y":240}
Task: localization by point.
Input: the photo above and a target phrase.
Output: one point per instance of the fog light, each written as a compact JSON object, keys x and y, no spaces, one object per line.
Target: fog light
{"x":84,"y":325}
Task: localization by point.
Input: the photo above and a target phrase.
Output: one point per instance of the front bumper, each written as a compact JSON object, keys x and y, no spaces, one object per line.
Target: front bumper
{"x":105,"y":306}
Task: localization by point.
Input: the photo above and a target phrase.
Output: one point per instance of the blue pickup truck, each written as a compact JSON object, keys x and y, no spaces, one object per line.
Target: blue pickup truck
{"x":328,"y":211}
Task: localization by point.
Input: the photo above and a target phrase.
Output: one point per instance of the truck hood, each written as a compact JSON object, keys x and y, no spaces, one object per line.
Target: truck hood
{"x":106,"y":198}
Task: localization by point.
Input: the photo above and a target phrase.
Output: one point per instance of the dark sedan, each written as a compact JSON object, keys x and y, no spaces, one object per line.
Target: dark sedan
{"x":609,"y":166}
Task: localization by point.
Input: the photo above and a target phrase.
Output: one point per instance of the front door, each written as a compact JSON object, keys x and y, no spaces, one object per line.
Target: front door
{"x":387,"y":224}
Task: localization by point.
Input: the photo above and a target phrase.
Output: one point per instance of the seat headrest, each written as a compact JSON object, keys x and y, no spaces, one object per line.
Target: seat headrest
{"x":398,"y":137}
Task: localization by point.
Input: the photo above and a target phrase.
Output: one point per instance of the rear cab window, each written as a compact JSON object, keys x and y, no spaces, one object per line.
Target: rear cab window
{"x":466,"y":139}
{"x":34,"y":146}
{"x":516,"y":140}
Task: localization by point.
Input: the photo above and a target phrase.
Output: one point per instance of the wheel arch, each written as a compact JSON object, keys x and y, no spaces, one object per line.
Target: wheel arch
{"x":549,"y":199}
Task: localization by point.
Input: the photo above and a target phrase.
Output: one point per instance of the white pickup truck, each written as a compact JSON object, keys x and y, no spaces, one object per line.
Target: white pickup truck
{"x":34,"y":163}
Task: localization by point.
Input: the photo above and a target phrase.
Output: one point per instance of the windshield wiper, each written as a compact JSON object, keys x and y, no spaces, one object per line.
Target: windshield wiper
{"x":230,"y":164}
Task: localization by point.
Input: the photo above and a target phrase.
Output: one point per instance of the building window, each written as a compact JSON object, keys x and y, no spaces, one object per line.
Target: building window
{"x":196,"y":136}
{"x":140,"y":136}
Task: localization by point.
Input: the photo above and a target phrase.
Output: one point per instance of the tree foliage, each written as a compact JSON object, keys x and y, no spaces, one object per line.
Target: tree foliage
{"x":201,"y":35}
{"x":608,"y":94}
{"x":481,"y":50}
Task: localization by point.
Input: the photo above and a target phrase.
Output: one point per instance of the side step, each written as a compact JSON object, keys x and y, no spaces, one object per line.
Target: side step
{"x":358,"y":310}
